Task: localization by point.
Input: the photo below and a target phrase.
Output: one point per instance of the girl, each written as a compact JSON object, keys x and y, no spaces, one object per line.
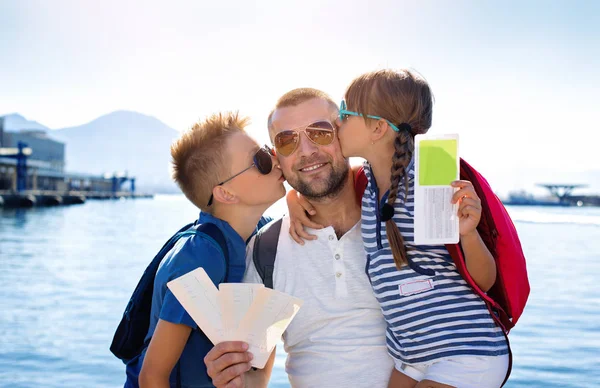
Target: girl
{"x":439,"y":331}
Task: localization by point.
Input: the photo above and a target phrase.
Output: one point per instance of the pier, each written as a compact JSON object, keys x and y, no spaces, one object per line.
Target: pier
{"x":35,"y":176}
{"x":560,"y":195}
{"x":30,"y":198}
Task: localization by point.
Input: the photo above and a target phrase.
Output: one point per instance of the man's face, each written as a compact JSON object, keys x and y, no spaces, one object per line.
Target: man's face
{"x":315,"y":171}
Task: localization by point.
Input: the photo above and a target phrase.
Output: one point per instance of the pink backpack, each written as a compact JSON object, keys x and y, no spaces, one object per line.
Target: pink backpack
{"x":508,"y":296}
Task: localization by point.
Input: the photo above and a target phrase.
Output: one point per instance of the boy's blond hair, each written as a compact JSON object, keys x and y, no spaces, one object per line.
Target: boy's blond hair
{"x":199,"y":156}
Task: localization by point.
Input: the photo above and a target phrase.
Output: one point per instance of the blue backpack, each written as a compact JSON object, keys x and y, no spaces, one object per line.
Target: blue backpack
{"x":129,"y":338}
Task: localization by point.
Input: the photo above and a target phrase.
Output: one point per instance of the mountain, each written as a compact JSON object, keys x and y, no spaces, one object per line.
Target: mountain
{"x":139,"y":144}
{"x":122,"y":141}
{"x":16,"y":122}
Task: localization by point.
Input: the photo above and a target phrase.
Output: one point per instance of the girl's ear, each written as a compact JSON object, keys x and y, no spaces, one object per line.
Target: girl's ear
{"x":380,"y":129}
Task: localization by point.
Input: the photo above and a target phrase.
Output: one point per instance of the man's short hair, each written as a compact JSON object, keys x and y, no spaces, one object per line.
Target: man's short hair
{"x":199,"y":156}
{"x":298,"y":96}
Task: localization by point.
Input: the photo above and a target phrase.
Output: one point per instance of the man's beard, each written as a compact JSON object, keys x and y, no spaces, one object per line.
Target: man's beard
{"x":333,"y":186}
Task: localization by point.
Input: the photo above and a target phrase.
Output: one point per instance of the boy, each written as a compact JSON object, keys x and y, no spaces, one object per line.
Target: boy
{"x":222,"y":171}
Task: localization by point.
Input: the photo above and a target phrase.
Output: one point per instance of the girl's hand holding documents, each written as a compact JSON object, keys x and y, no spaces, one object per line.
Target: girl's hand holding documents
{"x":469,"y":208}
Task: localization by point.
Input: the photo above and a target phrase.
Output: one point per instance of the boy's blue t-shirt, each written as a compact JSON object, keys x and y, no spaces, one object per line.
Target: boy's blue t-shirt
{"x":188,"y":254}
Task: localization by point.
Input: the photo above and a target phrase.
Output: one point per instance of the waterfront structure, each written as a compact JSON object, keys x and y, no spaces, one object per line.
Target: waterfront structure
{"x":560,"y":195}
{"x":32,"y":171}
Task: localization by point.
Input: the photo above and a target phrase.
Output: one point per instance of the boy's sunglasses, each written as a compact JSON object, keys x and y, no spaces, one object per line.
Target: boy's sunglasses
{"x":344,"y":113}
{"x":320,"y":132}
{"x":262,"y":160}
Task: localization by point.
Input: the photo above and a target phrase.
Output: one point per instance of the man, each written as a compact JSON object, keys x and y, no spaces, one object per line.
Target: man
{"x":232,"y":181}
{"x":338,"y":337}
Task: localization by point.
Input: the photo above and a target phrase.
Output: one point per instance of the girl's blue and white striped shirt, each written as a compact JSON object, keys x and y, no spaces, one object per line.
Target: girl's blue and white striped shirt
{"x":424,"y":324}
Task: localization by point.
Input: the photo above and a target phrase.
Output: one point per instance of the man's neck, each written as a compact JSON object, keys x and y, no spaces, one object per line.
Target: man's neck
{"x":242,"y":219}
{"x":341,"y":212}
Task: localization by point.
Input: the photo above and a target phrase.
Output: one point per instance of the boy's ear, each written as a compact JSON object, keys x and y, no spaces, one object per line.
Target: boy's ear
{"x":223,"y":195}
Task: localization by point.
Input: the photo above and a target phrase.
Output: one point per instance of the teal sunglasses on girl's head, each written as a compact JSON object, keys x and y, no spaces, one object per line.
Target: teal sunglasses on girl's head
{"x":344,"y":113}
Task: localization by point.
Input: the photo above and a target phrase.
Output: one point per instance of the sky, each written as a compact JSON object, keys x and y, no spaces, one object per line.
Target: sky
{"x":518,"y":81}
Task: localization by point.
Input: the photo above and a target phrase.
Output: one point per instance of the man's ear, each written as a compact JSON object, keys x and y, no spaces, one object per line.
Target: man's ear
{"x":380,"y":129}
{"x":223,"y":195}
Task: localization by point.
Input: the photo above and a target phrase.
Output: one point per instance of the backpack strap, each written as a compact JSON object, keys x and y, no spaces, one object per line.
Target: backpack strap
{"x":215,"y":234}
{"x":265,"y":250}
{"x":130,"y":337}
{"x":360,"y":184}
{"x":265,"y":244}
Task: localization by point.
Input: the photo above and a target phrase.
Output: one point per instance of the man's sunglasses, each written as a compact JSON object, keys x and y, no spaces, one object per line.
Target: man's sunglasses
{"x":320,"y":132}
{"x":344,"y":113}
{"x":262,"y":160}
